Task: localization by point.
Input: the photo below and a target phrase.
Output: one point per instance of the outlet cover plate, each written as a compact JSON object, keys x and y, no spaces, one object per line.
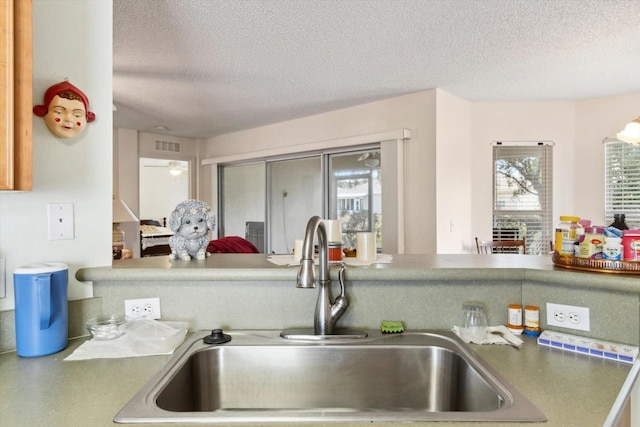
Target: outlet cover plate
{"x":60,"y":220}
{"x":568,"y":316}
{"x":142,"y":307}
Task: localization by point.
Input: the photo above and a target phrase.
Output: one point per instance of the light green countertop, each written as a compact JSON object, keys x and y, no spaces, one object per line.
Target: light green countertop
{"x":570,"y":389}
{"x":256,"y":267}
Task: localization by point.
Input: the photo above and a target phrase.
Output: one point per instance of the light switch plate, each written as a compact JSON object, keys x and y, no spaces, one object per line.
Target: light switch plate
{"x":60,"y":219}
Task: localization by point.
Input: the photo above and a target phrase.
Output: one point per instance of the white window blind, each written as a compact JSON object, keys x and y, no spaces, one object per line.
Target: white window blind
{"x":522,"y":193}
{"x":622,"y":181}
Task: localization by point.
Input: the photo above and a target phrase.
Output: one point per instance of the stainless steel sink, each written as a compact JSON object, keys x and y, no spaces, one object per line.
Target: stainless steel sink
{"x":260,"y":377}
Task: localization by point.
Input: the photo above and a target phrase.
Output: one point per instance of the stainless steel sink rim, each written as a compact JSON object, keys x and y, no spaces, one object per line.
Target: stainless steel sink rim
{"x":143,"y":408}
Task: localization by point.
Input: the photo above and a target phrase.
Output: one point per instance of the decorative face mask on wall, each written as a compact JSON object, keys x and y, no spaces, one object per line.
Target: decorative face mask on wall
{"x":65,"y":110}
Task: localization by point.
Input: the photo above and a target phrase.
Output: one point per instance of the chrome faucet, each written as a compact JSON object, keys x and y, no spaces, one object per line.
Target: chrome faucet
{"x":327,"y":313}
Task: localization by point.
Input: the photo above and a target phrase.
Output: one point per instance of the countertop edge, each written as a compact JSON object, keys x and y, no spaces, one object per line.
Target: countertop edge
{"x":403,"y":268}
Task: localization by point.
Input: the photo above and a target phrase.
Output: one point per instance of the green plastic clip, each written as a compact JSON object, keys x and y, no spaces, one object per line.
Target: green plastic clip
{"x":391,"y":327}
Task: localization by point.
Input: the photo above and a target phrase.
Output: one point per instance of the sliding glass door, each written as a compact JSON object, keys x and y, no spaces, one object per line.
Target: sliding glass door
{"x":295,"y":195}
{"x":356,"y":194}
{"x":242,"y":202}
{"x":275,"y":198}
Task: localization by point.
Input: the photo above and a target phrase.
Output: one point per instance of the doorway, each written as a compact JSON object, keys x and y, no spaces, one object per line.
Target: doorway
{"x":163,"y":184}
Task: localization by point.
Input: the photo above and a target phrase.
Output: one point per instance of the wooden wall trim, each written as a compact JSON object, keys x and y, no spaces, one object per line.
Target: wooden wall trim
{"x":6,"y":101}
{"x":23,"y":96}
{"x":16,"y":80}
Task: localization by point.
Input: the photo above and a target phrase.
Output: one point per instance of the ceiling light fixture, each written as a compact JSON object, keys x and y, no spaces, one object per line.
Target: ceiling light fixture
{"x":370,"y":159}
{"x":364,"y":157}
{"x":631,"y":133}
{"x":174,"y":168}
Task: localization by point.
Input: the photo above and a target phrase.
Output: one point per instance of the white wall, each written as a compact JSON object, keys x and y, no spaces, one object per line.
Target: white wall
{"x":576,"y":127}
{"x":597,"y":119}
{"x":125,"y":182}
{"x":453,"y":174}
{"x":70,"y":39}
{"x":521,"y":121}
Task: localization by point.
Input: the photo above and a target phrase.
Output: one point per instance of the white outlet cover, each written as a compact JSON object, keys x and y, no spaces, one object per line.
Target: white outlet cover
{"x":142,"y":307}
{"x":564,"y":316}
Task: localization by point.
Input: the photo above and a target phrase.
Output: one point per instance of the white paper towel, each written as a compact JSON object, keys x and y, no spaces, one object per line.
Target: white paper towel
{"x":123,"y":346}
{"x":504,"y":337}
{"x":142,"y":337}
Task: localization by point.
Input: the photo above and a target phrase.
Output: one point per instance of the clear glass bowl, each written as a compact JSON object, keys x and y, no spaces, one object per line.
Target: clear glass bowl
{"x":107,"y":327}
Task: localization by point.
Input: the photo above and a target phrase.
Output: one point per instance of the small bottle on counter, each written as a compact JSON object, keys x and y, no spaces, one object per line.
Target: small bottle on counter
{"x":514,"y":319}
{"x":532,"y":320}
{"x":568,"y":233}
{"x":612,"y":249}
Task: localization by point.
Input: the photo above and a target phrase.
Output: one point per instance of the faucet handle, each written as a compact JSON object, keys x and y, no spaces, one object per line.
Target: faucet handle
{"x":341,"y":303}
{"x":306,"y":274}
{"x":341,"y":279}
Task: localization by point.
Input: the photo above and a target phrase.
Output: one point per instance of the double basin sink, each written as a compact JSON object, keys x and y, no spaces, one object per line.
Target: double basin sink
{"x":260,"y":377}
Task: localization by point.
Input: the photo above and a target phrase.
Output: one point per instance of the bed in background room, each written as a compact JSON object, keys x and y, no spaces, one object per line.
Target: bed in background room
{"x":154,"y":238}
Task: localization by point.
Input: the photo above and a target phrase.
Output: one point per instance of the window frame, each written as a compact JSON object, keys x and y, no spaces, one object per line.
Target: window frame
{"x":622,"y":180}
{"x":537,"y":244}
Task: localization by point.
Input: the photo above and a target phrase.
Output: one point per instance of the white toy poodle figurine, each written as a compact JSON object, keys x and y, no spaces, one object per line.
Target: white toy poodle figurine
{"x":190,"y":222}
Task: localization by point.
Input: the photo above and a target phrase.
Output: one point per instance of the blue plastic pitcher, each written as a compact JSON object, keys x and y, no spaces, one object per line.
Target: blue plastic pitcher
{"x":42,"y":311}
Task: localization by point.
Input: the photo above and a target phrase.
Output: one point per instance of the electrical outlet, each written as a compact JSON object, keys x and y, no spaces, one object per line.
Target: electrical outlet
{"x":568,"y":316}
{"x":142,"y":307}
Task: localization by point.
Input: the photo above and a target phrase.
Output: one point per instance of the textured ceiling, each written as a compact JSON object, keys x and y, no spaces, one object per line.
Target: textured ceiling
{"x":203,"y":68}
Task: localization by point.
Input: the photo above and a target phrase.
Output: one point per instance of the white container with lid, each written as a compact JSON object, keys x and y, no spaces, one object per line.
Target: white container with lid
{"x":612,"y":249}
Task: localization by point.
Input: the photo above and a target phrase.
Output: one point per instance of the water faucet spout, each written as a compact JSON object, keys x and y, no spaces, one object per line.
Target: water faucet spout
{"x":326,"y":313}
{"x":306,"y":273}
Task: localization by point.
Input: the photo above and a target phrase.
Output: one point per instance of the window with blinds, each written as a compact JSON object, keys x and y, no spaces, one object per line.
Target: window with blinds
{"x":622,"y":181}
{"x":522,"y":193}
